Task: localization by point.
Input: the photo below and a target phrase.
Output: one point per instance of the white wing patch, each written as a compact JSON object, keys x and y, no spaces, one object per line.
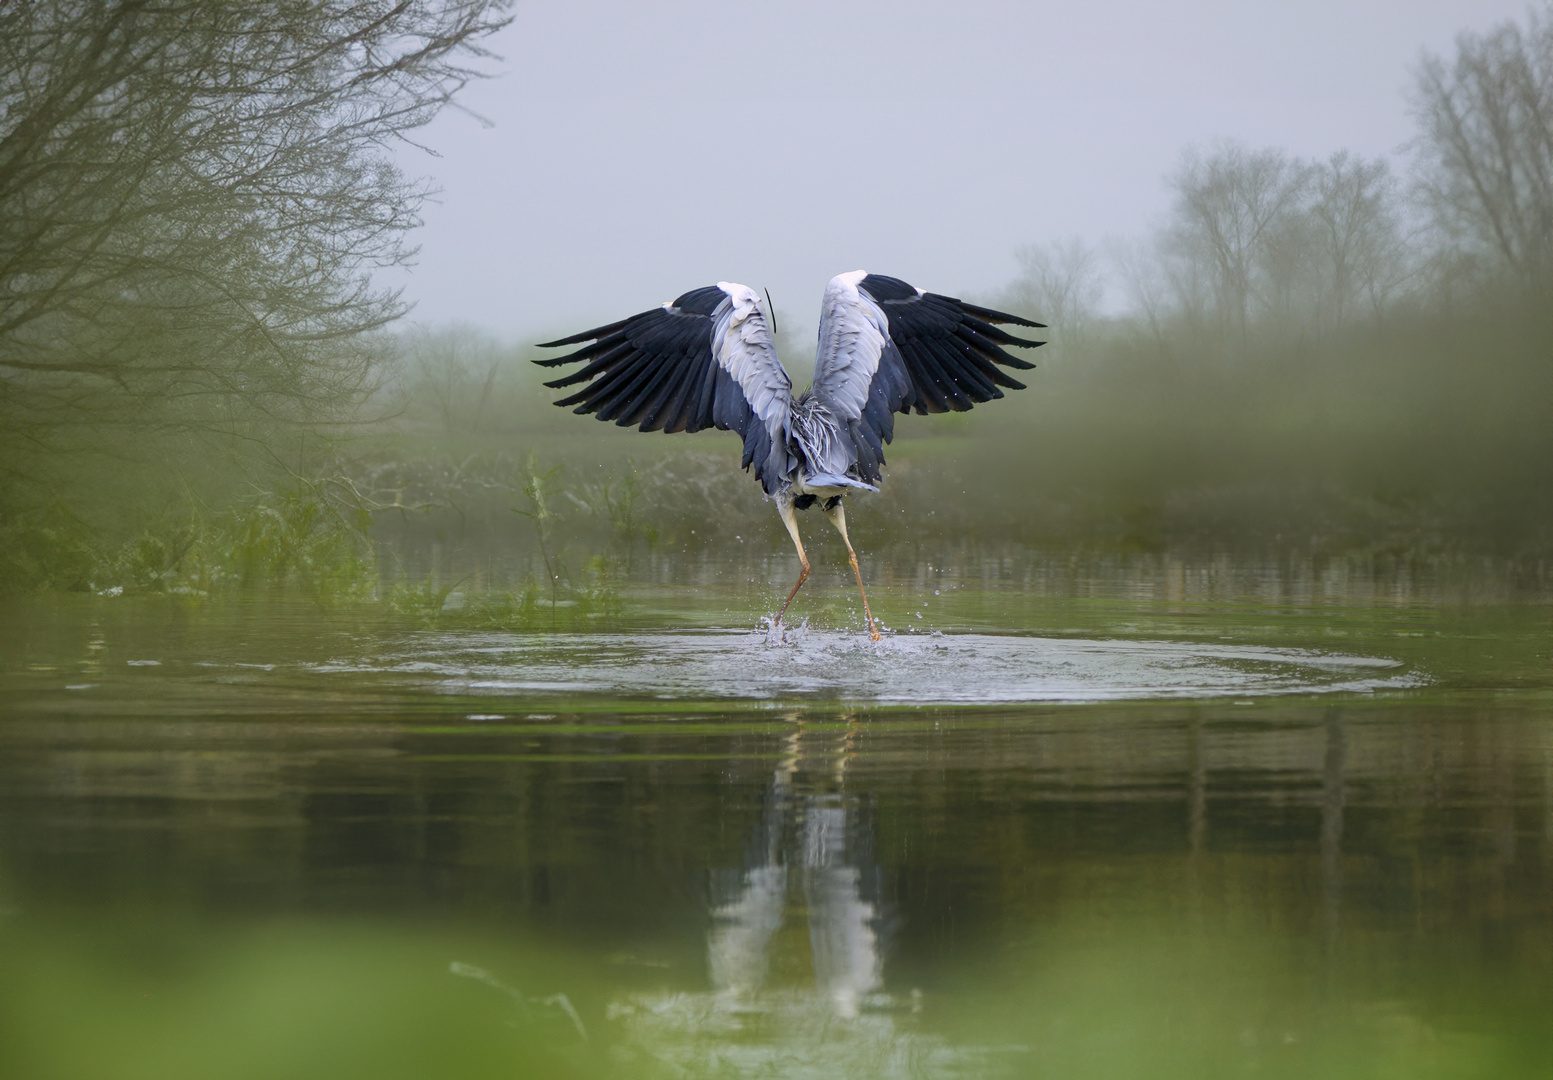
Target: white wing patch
{"x":853,"y":331}
{"x":742,"y":346}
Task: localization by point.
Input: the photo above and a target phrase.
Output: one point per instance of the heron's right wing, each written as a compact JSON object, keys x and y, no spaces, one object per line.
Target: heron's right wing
{"x":888,"y":347}
{"x":706,"y":360}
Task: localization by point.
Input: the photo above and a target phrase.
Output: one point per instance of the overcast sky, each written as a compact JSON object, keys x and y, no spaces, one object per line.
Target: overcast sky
{"x":643,"y":149}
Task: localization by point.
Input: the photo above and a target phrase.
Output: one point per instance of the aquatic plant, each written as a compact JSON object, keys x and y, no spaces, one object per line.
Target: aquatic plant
{"x":313,"y":537}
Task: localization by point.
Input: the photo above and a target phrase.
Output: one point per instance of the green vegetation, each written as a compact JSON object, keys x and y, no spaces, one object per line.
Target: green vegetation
{"x":1314,"y":355}
{"x":1314,"y":359}
{"x":194,"y":197}
{"x":291,"y":999}
{"x":314,"y":998}
{"x":299,"y":537}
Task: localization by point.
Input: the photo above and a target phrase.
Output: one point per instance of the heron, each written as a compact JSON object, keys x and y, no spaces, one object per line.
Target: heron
{"x":707,"y":359}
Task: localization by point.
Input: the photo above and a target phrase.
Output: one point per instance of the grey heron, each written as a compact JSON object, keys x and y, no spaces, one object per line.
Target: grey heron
{"x":707,"y":360}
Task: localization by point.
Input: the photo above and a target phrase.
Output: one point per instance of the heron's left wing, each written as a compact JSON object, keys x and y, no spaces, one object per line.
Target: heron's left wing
{"x":705,"y":360}
{"x":888,"y":347}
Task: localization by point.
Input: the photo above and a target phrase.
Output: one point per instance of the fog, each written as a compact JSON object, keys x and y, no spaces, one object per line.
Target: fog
{"x":364,"y":713}
{"x":1295,"y":268}
{"x":641,"y":150}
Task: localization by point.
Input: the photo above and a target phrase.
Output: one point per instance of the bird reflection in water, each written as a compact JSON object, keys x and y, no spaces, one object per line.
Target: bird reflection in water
{"x":809,"y":838}
{"x":810,"y":858}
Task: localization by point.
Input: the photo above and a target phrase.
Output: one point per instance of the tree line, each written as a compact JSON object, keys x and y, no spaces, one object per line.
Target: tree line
{"x":194,"y":197}
{"x":1261,"y":240}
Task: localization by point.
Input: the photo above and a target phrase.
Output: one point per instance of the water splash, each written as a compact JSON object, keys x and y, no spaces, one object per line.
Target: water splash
{"x":804,"y":663}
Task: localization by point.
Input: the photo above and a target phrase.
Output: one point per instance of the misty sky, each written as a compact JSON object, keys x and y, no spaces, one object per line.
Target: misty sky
{"x":643,"y":149}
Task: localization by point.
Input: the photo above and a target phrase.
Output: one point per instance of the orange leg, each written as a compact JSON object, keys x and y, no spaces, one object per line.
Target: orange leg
{"x":838,"y":518}
{"x":785,"y":508}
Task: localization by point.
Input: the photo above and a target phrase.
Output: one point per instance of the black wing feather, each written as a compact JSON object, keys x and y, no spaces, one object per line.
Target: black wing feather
{"x":656,"y":370}
{"x":951,"y":351}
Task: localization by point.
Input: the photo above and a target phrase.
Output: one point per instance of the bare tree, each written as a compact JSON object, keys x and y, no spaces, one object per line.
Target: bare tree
{"x":1288,"y":264}
{"x":1229,"y":207}
{"x":1062,"y":284}
{"x":193,"y":197}
{"x":1486,"y":146}
{"x":1358,"y":233}
{"x":452,"y":370}
{"x":1148,"y":285}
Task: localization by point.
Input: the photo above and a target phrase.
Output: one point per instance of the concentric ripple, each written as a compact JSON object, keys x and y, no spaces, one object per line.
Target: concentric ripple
{"x":937,"y":668}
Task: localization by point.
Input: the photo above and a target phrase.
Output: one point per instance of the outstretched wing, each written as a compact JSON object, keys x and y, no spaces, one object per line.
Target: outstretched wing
{"x":706,"y":360}
{"x":887,"y":347}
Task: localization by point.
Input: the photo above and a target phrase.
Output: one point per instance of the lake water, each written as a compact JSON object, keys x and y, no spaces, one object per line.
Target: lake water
{"x":1087,"y":831}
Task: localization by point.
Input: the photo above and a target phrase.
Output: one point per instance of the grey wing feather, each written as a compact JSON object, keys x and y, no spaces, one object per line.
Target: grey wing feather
{"x":887,"y":347}
{"x":705,"y":360}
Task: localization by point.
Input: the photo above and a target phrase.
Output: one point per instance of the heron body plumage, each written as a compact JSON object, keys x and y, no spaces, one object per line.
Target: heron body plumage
{"x":707,"y":360}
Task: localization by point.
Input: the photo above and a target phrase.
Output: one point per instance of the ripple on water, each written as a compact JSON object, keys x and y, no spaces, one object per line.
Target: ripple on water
{"x":937,"y":668}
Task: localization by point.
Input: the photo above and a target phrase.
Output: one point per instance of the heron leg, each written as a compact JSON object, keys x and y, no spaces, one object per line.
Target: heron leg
{"x":785,"y":508}
{"x":838,"y":518}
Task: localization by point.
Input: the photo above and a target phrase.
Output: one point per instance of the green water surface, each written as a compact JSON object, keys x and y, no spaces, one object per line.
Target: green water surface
{"x":1097,"y":834}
